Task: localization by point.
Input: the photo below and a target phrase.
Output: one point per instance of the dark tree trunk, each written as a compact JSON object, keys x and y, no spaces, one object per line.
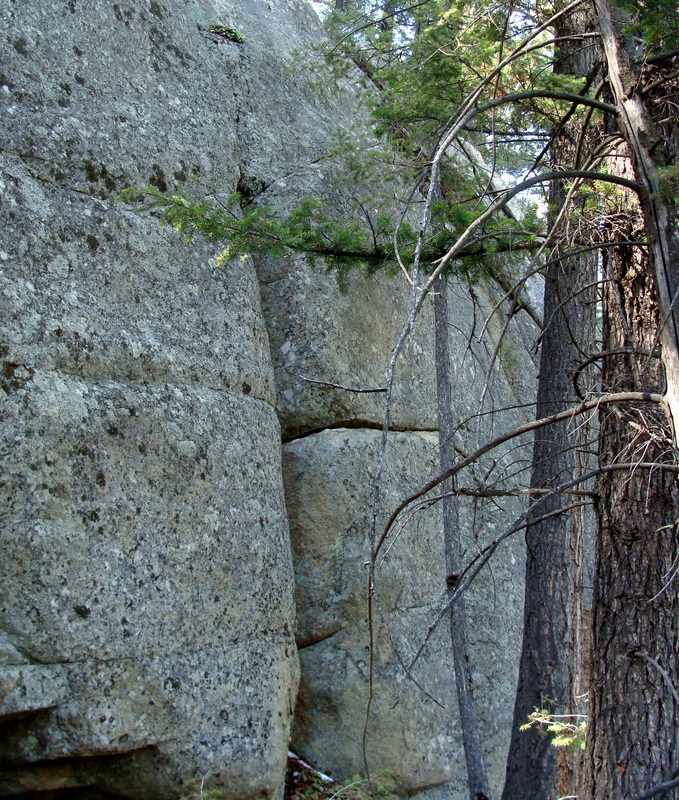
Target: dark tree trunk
{"x":552,"y":651}
{"x":552,"y":648}
{"x":633,"y":729}
{"x":652,"y":141}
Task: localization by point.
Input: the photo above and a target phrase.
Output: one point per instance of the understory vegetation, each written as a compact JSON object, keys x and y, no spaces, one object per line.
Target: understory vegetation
{"x":302,"y":782}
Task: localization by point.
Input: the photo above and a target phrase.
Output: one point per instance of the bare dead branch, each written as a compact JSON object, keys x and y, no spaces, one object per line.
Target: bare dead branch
{"x":618,"y":397}
{"x":575,"y":99}
{"x":523,"y":520}
{"x":466,"y":492}
{"x":598,"y":356}
{"x":462,"y":585}
{"x":346,"y":388}
{"x":663,"y":673}
{"x":659,"y":789}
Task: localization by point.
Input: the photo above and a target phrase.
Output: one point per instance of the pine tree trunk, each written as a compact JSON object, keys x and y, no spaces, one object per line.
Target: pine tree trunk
{"x":648,"y":151}
{"x":552,"y":651}
{"x":633,"y":729}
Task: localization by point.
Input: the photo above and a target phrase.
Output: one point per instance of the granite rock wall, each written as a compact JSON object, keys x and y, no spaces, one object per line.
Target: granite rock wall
{"x":150,"y":520}
{"x":147,"y":610}
{"x":328,"y":478}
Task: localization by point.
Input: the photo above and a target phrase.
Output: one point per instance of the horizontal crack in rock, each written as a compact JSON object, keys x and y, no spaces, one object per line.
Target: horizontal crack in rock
{"x":312,"y":640}
{"x":354,"y":424}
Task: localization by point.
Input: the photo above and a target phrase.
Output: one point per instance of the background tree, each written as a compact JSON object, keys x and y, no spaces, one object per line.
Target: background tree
{"x":555,"y":614}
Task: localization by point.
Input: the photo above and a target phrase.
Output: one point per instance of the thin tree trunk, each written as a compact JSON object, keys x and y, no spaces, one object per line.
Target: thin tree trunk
{"x":551,"y":655}
{"x":477,"y":779}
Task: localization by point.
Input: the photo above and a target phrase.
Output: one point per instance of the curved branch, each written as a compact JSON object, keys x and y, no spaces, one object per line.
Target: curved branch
{"x":598,"y":356}
{"x":618,"y":397}
{"x":502,"y":201}
{"x":592,"y":161}
{"x":659,"y":789}
{"x":575,"y":99}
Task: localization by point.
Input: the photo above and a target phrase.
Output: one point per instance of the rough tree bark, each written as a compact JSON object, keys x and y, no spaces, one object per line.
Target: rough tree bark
{"x":633,"y":731}
{"x":632,"y":737}
{"x":650,"y":149}
{"x":552,"y":649}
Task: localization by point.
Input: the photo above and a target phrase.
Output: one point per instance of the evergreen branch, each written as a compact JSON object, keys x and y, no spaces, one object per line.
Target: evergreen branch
{"x":308,"y":231}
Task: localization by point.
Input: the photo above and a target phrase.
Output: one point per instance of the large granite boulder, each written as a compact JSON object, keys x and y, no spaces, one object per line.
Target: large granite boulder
{"x":147,"y":577}
{"x":329,"y":493}
{"x":323,"y":333}
{"x":146,"y":599}
{"x":147,"y":613}
{"x":341,"y":329}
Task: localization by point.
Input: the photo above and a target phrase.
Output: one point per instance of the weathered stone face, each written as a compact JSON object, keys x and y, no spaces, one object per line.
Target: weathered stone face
{"x":147,"y":611}
{"x":90,"y":289}
{"x":172,"y":512}
{"x":147,"y":582}
{"x":146,"y":600}
{"x":345,"y":335}
{"x":319,"y":332}
{"x":328,"y":478}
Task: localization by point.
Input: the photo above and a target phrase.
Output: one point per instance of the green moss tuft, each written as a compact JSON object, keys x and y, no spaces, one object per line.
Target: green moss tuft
{"x":227,"y":33}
